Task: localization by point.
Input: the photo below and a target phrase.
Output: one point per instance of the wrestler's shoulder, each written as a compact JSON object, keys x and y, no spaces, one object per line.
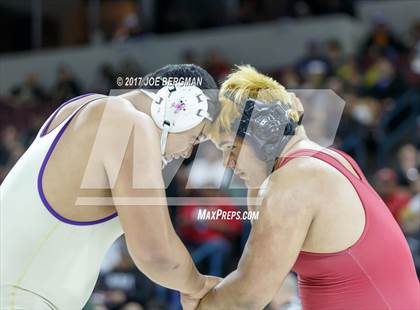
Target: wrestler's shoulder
{"x":301,"y":168}
{"x":306,"y":173}
{"x":124,"y":111}
{"x":300,"y":185}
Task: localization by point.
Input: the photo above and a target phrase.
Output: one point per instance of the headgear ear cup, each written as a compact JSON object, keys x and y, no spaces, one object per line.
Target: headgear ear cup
{"x":268,"y":123}
{"x":264,"y":125}
{"x":178,"y":108}
{"x":268,"y":128}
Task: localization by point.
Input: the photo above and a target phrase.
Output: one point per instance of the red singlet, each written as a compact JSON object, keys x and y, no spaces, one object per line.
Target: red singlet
{"x":377,"y":272}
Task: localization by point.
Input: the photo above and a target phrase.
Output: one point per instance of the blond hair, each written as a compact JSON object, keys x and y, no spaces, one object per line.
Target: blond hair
{"x":243,"y":83}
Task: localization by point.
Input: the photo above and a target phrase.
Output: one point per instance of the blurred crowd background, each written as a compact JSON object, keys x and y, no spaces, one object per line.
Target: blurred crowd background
{"x":120,"y":19}
{"x":380,"y":125}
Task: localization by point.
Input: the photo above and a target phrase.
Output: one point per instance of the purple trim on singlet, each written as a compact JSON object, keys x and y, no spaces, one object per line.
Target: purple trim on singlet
{"x":47,"y":125}
{"x":41,"y":173}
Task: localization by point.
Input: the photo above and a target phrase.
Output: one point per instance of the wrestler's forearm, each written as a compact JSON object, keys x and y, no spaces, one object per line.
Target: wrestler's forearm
{"x":232,"y":293}
{"x":173,"y":269}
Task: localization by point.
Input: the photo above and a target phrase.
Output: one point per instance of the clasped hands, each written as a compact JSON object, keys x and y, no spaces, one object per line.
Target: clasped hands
{"x":192,"y":301}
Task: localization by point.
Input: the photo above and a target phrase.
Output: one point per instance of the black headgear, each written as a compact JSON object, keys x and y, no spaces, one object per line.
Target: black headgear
{"x":267,"y":127}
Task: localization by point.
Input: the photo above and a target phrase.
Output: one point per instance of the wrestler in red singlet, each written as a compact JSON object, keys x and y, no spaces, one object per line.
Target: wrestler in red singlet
{"x":365,"y":275}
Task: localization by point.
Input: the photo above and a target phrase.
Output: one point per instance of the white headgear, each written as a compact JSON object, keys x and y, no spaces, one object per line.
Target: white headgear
{"x":178,"y":108}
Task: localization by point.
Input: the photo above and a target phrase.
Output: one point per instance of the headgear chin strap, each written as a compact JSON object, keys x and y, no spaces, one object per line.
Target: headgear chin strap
{"x":178,"y":108}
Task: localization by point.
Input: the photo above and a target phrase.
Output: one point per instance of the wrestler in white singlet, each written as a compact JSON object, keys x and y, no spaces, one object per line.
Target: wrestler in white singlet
{"x":47,"y":262}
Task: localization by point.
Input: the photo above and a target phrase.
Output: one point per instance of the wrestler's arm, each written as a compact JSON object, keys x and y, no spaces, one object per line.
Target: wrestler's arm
{"x":274,"y":243}
{"x":151,"y":239}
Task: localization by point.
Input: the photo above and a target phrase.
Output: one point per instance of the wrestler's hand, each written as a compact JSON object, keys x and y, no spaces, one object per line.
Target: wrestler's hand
{"x":190,"y":302}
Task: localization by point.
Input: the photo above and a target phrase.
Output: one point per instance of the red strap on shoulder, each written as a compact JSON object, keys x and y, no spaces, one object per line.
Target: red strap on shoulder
{"x":294,"y":154}
{"x":352,"y":163}
{"x":329,"y":159}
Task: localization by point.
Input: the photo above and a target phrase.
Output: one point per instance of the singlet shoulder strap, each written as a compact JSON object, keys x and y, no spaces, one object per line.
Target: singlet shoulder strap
{"x":43,"y":131}
{"x":329,"y":159}
{"x":352,"y":163}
